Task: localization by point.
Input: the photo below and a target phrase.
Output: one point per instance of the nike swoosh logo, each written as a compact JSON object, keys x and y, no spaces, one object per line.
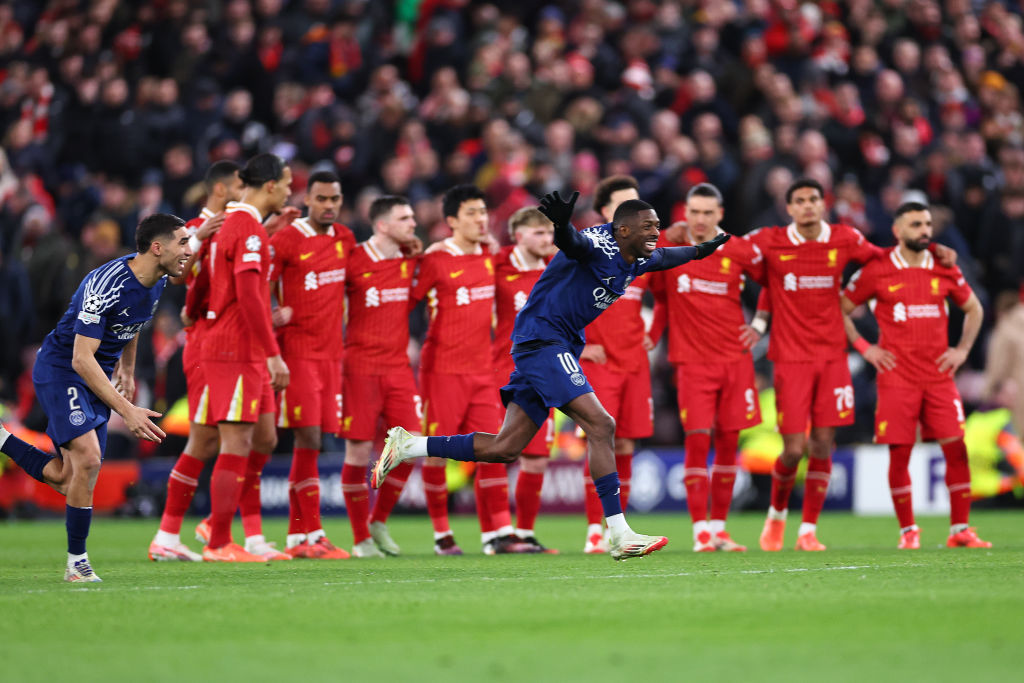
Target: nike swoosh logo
{"x":367,"y":274}
{"x":844,"y":413}
{"x":303,"y":257}
{"x":510,"y":278}
{"x":787,"y":257}
{"x":456,"y":273}
{"x":893,"y":288}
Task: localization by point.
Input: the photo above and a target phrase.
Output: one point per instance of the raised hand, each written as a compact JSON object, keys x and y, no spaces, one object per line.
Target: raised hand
{"x":705,"y":249}
{"x":557,"y":209}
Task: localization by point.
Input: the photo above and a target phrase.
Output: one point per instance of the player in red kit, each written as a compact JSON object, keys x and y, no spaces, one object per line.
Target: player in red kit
{"x":222,"y":186}
{"x":700,"y":303}
{"x":378,"y":380}
{"x":916,"y":365}
{"x":456,"y":276}
{"x":310,"y":258}
{"x":615,"y":362}
{"x":518,"y":268}
{"x":242,"y":360}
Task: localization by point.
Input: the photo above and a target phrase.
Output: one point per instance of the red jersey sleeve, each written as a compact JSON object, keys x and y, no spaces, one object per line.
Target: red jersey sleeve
{"x":426,"y":277}
{"x":659,"y":319}
{"x":246,"y":248}
{"x":960,"y":290}
{"x":862,"y":251}
{"x":753,"y":262}
{"x":862,"y":285}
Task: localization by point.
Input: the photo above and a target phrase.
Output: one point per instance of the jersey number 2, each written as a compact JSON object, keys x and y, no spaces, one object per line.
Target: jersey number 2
{"x":73,"y":399}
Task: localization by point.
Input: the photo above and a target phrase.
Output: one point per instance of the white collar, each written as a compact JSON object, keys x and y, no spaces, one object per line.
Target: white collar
{"x":454,"y":250}
{"x":796,"y":238}
{"x":897,"y":259}
{"x":232,"y":207}
{"x":306,"y":228}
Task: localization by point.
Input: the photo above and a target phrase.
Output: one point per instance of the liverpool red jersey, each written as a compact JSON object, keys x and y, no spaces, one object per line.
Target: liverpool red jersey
{"x":911,"y":311}
{"x":378,"y":290}
{"x":197,"y":293}
{"x":620,"y":330}
{"x":703,"y":301}
{"x":804,"y":278}
{"x":309,"y":271}
{"x":240,"y":244}
{"x":512,"y":284}
{"x":459,"y":289}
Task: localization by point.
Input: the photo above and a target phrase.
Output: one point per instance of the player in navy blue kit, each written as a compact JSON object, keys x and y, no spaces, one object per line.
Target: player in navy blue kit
{"x":85,"y":369}
{"x":591,"y":270}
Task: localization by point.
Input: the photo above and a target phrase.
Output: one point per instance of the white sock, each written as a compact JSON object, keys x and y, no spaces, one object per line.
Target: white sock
{"x":957,"y":528}
{"x":314,"y":536}
{"x":806,"y":528}
{"x":438,"y":535}
{"x":912,"y":527}
{"x":716,"y":526}
{"x":777,"y":514}
{"x":698,"y":527}
{"x":506,"y":530}
{"x":617,"y":523}
{"x":487,"y":536}
{"x":167,"y":539}
{"x":3,"y":435}
{"x":253,"y":540}
{"x":524,"y":533}
{"x":417,"y":446}
{"x":594,"y":529}
{"x":292,"y":540}
{"x":75,"y":558}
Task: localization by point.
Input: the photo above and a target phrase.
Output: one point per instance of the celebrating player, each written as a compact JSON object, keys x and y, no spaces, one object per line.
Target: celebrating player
{"x":591,"y":271}
{"x":242,"y":360}
{"x":518,"y":268}
{"x":309,"y":261}
{"x":222,"y":186}
{"x":615,"y":361}
{"x":86,"y":368}
{"x":916,"y":366}
{"x":704,"y":317}
{"x":378,"y":379}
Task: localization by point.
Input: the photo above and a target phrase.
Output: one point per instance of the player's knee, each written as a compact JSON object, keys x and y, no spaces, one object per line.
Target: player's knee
{"x":602,"y":429}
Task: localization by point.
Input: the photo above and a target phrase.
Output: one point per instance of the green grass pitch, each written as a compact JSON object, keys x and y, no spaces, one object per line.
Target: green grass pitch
{"x":862,"y":611}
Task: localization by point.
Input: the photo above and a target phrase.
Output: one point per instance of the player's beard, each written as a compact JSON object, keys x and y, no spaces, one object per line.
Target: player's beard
{"x":917,"y":245}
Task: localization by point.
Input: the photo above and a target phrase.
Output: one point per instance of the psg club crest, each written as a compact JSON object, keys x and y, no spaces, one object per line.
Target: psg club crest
{"x":77,"y":418}
{"x":578,"y":379}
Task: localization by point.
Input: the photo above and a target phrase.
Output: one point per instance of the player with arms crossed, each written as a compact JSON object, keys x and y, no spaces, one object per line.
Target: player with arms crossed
{"x":242,"y":361}
{"x":591,"y":271}
{"x":310,"y":257}
{"x":86,"y":368}
{"x":378,"y":381}
{"x":222,"y":186}
{"x":518,"y":268}
{"x":916,"y":366}
{"x":701,"y":302}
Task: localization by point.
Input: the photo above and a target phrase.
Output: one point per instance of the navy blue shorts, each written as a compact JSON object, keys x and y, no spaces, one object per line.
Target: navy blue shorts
{"x":72,"y":408}
{"x":545,"y":377}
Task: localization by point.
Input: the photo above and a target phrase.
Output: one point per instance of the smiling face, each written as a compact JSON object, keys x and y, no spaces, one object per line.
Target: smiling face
{"x":638,"y":235}
{"x":172,"y":252}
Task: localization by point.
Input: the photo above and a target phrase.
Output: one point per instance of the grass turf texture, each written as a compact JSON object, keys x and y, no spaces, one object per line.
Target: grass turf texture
{"x":860,"y":611}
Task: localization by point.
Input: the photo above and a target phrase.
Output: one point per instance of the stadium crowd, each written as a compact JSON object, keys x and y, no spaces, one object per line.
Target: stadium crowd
{"x":111,"y":110}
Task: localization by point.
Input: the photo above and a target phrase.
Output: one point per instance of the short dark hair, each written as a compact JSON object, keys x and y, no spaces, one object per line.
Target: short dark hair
{"x":454,"y":197}
{"x":381,"y":206}
{"x":907,"y":207}
{"x":261,"y":169}
{"x":219,"y":172}
{"x":604,"y":190}
{"x":704,"y":190}
{"x":154,"y":227}
{"x":801,"y":183}
{"x":322,"y":177}
{"x":628,"y":209}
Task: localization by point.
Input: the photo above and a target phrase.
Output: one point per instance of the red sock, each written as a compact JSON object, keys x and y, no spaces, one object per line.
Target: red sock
{"x":435,"y":487}
{"x":295,"y":523}
{"x":723,"y":473}
{"x":181,"y":486}
{"x":225,"y":490}
{"x":389,"y":492}
{"x":819,"y":470}
{"x":591,"y":501}
{"x":528,"y":487}
{"x":782,"y":484}
{"x":357,"y":500}
{"x":307,"y":489}
{"x":493,"y":493}
{"x":958,"y":481}
{"x":899,"y":484}
{"x":252,"y":519}
{"x":483,"y":513}
{"x":695,"y":475}
{"x":624,"y":465}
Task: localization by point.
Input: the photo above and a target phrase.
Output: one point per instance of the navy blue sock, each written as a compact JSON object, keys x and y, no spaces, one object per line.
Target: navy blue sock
{"x":27,"y":456}
{"x":459,"y":447}
{"x":608,"y":491}
{"x":77,"y":521}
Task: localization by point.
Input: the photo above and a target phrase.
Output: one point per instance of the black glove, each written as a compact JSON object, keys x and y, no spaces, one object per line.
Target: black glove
{"x":556,"y":209}
{"x":707,"y":248}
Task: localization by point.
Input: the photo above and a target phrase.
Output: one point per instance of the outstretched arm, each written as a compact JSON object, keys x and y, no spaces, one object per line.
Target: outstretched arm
{"x":669,"y":257}
{"x":559,"y":212}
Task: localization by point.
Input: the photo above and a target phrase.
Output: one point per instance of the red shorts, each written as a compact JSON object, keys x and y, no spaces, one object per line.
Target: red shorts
{"x":459,"y":404}
{"x":238,"y":391}
{"x":719,"y":395}
{"x":626,"y":397}
{"x":368,"y":398}
{"x":313,"y":396}
{"x":198,"y":395}
{"x":936,"y":407}
{"x":816,"y":391}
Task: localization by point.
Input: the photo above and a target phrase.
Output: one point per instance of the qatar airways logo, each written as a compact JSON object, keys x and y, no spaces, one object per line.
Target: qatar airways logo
{"x":791,"y":282}
{"x":604,"y":298}
{"x":123,"y":332}
{"x":375,"y":297}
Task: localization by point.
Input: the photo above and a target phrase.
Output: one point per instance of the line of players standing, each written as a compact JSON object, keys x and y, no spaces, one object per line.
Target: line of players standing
{"x":239,"y":351}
